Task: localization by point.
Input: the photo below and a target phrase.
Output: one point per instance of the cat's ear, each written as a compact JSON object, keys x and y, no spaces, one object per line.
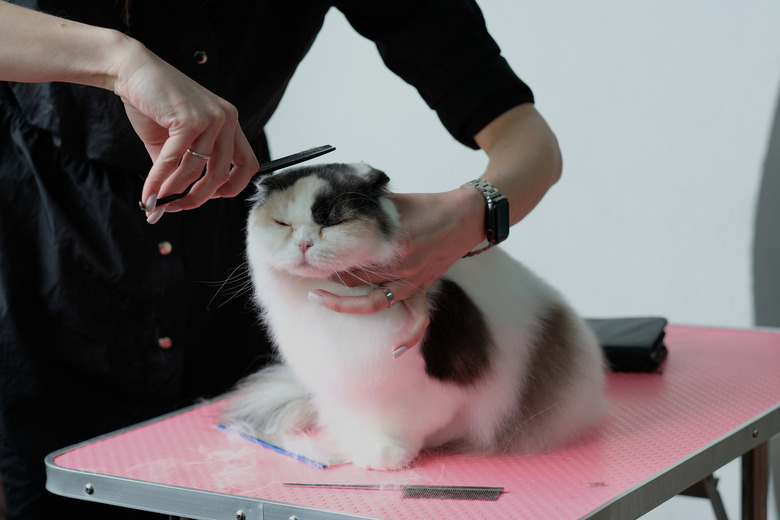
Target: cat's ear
{"x":377,"y":179}
{"x":261,"y":191}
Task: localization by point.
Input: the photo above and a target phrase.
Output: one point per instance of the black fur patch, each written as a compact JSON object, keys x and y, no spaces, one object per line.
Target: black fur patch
{"x":552,"y":360}
{"x":457,"y":346}
{"x":351,"y":195}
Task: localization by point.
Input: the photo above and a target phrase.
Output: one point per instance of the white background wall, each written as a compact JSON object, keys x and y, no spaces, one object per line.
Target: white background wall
{"x":663,"y":110}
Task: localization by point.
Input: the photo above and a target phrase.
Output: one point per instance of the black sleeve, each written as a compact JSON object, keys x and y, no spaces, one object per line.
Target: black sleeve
{"x":443,"y":49}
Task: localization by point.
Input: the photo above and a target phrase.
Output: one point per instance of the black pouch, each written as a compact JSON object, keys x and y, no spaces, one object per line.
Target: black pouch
{"x":633,"y":344}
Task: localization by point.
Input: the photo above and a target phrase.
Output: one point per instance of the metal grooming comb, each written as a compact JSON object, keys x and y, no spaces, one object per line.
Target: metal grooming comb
{"x":416,"y":491}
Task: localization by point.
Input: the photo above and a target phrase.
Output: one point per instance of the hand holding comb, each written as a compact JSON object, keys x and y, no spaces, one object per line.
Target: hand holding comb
{"x":267,"y":167}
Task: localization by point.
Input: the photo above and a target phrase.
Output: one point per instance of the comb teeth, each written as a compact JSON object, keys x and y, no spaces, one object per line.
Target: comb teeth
{"x":452,"y":492}
{"x":410,"y":491}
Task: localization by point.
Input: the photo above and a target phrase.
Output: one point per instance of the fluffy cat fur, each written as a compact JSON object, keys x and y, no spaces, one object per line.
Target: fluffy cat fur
{"x":505,"y":364}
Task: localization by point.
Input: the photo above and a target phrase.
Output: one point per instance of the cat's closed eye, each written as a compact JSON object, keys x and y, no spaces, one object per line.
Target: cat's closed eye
{"x":281,"y":223}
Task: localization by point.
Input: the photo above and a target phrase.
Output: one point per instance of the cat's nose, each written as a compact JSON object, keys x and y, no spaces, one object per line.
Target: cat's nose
{"x":304,"y":245}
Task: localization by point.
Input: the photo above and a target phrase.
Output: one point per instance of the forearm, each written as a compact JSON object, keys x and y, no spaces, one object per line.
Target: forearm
{"x":523,"y":162}
{"x":524,"y":158}
{"x":171,"y":113}
{"x":37,"y":47}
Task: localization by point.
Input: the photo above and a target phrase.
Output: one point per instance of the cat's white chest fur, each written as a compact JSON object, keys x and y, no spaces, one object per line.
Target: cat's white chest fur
{"x":316,"y":340}
{"x":345,"y":360}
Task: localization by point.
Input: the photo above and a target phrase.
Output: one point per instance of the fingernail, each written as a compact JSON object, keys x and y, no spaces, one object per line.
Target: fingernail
{"x":151,"y":203}
{"x":399,"y":352}
{"x":155,"y":216}
{"x":316,"y":298}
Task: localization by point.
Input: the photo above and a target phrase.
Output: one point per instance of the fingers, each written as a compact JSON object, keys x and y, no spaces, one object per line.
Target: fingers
{"x":219,"y":162}
{"x":172,"y":114}
{"x":377,"y":300}
{"x":417,"y":307}
{"x":370,"y":303}
{"x":174,"y":169}
{"x":245,"y":165}
{"x":230,"y":165}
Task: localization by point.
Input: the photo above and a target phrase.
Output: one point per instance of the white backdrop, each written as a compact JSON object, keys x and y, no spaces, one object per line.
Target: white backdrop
{"x":663,"y":110}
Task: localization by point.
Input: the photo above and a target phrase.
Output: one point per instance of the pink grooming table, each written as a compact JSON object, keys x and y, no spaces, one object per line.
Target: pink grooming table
{"x":718,"y":399}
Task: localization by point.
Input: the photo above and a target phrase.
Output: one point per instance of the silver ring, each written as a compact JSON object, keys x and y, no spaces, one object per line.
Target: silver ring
{"x":390,"y":299}
{"x":196,"y":154}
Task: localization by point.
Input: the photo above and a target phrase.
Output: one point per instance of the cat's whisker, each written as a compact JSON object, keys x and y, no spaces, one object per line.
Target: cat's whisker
{"x":338,"y":275}
{"x":230,"y":285}
{"x":537,"y":414}
{"x":237,"y":283}
{"x":390,"y":275}
{"x":365,"y":278}
{"x":245,"y":289}
{"x":368,"y":273}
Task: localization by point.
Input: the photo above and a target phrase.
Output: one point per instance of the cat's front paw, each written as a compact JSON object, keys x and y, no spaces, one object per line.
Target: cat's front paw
{"x":384,"y":456}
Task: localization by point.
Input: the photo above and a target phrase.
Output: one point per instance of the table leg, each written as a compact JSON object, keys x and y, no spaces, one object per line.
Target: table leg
{"x":755,"y":483}
{"x":708,"y":488}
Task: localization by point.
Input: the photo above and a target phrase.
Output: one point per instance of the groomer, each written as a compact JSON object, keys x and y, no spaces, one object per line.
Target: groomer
{"x":106,"y":312}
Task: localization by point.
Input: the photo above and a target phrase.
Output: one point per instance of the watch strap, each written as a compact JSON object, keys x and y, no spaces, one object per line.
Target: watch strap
{"x":496,"y":214}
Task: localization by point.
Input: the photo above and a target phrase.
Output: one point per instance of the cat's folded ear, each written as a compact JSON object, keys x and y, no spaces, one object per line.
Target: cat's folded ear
{"x":261,"y":191}
{"x":379,"y":182}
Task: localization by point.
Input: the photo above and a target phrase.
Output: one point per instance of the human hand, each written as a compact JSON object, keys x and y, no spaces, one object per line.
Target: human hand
{"x":170,"y":112}
{"x":185,"y":129}
{"x":437,"y":230}
{"x":415,"y":305}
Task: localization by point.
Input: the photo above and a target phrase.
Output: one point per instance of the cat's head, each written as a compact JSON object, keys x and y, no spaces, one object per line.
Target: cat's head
{"x":315,"y":221}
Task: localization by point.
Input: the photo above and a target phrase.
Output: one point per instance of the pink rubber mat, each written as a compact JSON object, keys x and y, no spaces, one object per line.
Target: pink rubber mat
{"x":715,"y":382}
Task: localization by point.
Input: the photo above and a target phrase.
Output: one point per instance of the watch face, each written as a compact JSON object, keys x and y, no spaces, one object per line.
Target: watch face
{"x":498,"y":220}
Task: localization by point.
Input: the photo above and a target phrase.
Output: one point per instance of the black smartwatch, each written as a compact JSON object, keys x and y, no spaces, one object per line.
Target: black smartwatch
{"x":496,"y":213}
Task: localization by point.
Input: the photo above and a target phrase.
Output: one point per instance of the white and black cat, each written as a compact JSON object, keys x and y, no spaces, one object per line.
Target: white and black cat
{"x":505,"y":364}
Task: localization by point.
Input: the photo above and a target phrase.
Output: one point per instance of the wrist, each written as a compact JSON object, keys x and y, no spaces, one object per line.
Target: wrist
{"x":496,"y":211}
{"x":471,"y":208}
{"x":118,"y":57}
{"x":98,"y":56}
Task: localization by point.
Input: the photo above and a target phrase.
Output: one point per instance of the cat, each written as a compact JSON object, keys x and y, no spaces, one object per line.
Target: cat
{"x":505,"y":364}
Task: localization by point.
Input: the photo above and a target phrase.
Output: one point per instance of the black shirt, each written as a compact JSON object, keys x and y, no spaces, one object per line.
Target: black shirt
{"x":106,"y":320}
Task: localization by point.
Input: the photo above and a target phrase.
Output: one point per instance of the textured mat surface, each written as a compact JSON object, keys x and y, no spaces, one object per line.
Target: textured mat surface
{"x":714,"y":381}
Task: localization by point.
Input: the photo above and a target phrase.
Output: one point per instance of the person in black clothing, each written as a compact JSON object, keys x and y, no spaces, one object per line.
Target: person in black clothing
{"x":108,"y":316}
